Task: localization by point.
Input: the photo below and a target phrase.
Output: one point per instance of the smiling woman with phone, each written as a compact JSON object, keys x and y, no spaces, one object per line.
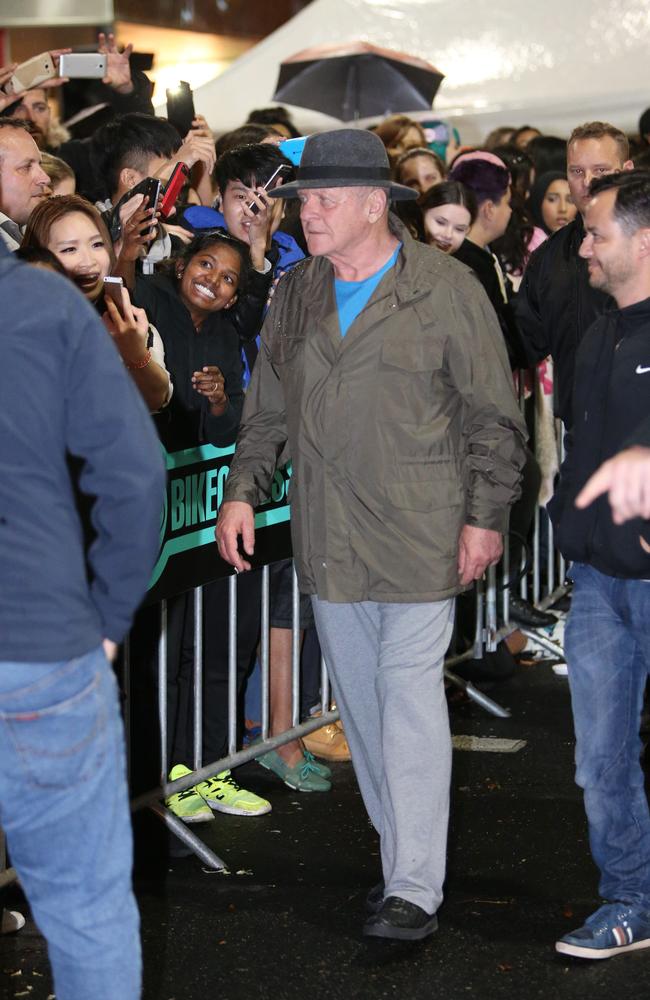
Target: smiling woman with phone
{"x":72,"y":229}
{"x":192,"y":301}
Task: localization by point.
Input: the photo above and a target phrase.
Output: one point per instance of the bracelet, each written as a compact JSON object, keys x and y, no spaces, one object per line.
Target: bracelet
{"x":134,"y":366}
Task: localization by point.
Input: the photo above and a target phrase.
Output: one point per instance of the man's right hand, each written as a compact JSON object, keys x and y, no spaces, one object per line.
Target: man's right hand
{"x":236,"y":518}
{"x":626,"y":478}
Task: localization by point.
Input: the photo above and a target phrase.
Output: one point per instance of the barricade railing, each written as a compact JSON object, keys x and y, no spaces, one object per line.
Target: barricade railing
{"x":540,"y":577}
{"x":492,"y":624}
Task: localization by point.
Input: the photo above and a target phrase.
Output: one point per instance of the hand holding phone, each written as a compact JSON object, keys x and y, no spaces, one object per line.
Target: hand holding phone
{"x":31,"y":74}
{"x":113,"y":288}
{"x":282,"y":171}
{"x":149,"y":188}
{"x":180,"y":175}
{"x":127,"y":325}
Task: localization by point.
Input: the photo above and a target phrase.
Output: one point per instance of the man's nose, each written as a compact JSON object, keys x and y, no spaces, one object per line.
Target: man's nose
{"x":41,"y":177}
{"x":586,"y":247}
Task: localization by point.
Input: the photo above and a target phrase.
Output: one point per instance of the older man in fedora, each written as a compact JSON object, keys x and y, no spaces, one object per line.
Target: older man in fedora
{"x":383,"y":369}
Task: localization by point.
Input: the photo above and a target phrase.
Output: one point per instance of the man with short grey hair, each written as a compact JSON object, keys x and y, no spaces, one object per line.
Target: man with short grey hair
{"x":23,"y":182}
{"x":383,"y":367}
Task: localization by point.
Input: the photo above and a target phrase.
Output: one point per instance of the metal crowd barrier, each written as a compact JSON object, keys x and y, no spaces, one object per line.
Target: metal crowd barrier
{"x":542,"y":582}
{"x":492,"y":624}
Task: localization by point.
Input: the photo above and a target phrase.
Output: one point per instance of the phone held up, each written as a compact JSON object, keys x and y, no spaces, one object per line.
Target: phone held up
{"x":151,"y":188}
{"x":180,"y":175}
{"x":31,"y":73}
{"x":113,"y":291}
{"x":180,"y":107}
{"x":282,"y":171}
{"x":82,"y":65}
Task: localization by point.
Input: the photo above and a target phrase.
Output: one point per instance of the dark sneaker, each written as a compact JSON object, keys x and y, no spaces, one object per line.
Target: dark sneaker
{"x":400,"y":920}
{"x":375,"y":898}
{"x":611,"y":930}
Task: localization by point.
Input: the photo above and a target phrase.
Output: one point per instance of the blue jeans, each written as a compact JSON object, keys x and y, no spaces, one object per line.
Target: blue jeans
{"x":64,"y":808}
{"x":607,"y":646}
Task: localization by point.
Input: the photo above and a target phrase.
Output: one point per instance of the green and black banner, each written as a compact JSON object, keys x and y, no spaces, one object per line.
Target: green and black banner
{"x":188,"y":552}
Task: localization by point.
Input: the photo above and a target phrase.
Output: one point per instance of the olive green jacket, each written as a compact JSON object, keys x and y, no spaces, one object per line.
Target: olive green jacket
{"x":399,"y":433}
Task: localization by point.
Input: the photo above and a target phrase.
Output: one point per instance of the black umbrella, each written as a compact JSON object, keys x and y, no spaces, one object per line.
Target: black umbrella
{"x":357,"y":80}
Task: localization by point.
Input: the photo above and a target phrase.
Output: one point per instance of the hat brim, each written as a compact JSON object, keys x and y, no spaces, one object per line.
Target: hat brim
{"x":396,"y":192}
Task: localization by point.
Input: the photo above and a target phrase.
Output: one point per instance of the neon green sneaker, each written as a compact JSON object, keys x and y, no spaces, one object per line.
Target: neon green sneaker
{"x":187,"y":805}
{"x":224,"y":794}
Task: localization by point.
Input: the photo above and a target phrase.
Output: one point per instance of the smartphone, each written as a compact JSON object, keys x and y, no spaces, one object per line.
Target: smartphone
{"x":31,"y":73}
{"x":437,"y":132}
{"x":151,"y":188}
{"x":282,"y":171}
{"x":293,"y":149}
{"x":180,"y":175}
{"x":180,"y":107}
{"x":83,"y":65}
{"x":113,"y":290}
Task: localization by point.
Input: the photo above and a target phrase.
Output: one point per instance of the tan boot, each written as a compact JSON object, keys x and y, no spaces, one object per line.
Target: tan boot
{"x":329,"y":743}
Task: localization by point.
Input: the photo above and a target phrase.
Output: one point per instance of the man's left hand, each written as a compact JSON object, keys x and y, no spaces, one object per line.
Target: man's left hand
{"x":478,"y":548}
{"x":118,"y":67}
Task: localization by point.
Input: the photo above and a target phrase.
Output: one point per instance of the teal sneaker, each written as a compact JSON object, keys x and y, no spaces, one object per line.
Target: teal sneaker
{"x":613,"y":929}
{"x":302,"y":777}
{"x":187,"y":805}
{"x":317,"y":765}
{"x":224,"y":794}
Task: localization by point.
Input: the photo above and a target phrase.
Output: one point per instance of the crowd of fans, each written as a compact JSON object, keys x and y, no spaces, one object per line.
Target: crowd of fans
{"x":187,"y":317}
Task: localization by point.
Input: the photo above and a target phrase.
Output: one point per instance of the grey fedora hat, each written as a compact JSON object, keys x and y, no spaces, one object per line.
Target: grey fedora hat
{"x":346,"y":157}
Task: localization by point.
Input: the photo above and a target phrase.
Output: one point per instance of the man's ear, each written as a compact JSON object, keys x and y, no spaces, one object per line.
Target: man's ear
{"x":628,"y":165}
{"x":377,"y":204}
{"x":486,"y":210}
{"x":128,"y":178}
{"x":644,"y":242}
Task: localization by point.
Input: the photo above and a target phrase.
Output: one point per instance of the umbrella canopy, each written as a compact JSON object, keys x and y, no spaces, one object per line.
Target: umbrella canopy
{"x":357,"y":80}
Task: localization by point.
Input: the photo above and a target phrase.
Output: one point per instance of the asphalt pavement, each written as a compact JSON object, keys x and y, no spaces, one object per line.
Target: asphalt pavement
{"x":285,"y":922}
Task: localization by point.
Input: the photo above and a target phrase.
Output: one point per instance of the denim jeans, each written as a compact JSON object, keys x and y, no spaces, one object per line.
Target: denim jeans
{"x":607,"y":646}
{"x":64,"y":808}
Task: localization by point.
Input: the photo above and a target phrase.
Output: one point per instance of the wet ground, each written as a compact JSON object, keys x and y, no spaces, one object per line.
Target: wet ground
{"x":286,"y":921}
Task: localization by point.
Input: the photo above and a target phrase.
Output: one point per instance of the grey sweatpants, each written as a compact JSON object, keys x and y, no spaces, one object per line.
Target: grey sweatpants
{"x":385,"y":663}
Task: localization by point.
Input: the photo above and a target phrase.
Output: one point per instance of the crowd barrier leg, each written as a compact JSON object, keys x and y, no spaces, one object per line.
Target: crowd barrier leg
{"x":265,"y":631}
{"x":162,"y":689}
{"x":198,"y":677}
{"x":232,"y":664}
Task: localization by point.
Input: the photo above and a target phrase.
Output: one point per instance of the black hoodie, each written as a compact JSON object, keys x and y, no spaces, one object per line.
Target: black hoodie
{"x":611,"y":401}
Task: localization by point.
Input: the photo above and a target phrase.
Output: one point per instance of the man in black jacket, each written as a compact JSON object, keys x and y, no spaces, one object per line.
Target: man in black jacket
{"x":556,"y":304}
{"x":607,"y":639}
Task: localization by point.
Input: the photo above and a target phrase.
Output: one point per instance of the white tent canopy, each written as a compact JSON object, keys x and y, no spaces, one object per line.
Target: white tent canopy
{"x":554,"y":64}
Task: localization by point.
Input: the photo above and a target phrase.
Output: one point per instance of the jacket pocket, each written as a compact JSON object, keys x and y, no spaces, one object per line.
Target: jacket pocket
{"x":411,"y":353}
{"x":285,"y":349}
{"x":61,"y":744}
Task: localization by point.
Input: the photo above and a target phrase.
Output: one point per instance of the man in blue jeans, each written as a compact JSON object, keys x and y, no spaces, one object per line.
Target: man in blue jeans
{"x":607,"y":640}
{"x":71,"y":425}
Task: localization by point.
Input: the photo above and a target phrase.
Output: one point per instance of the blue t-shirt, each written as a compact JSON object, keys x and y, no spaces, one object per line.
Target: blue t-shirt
{"x":353,"y":296}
